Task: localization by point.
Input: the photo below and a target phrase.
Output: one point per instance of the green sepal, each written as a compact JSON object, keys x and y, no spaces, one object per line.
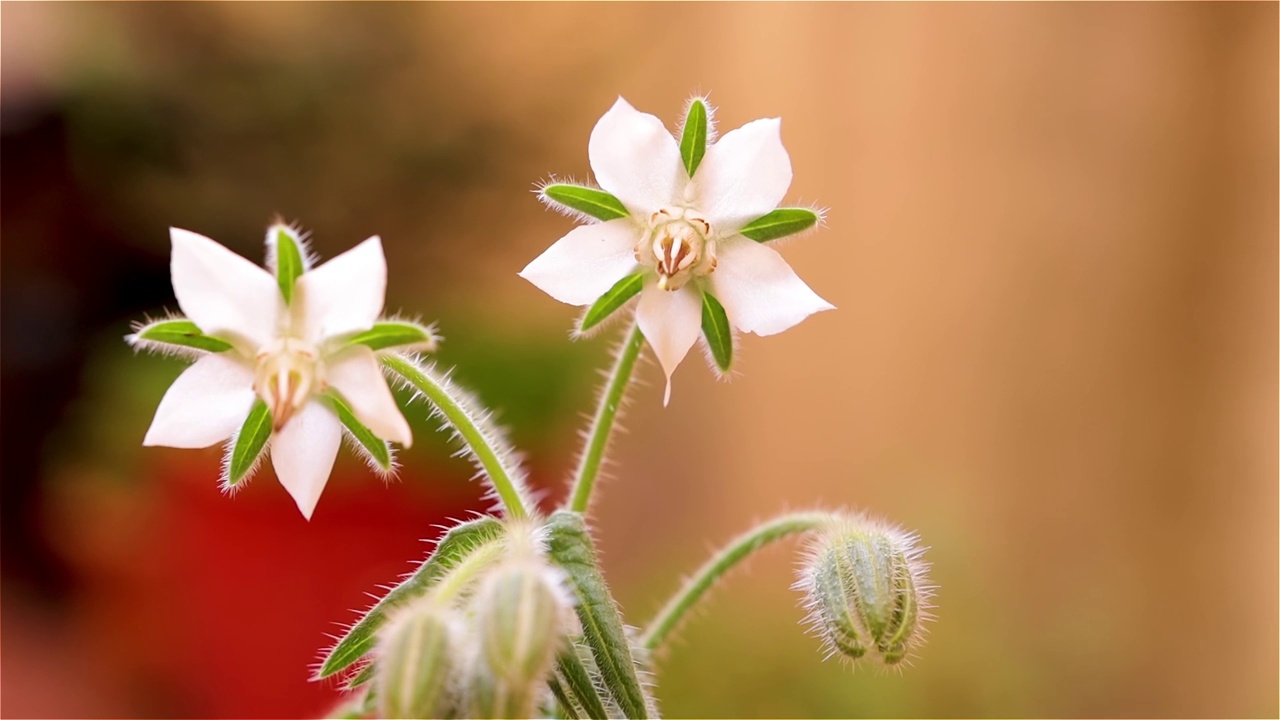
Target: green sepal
{"x":460,"y":541}
{"x":589,"y":201}
{"x":715,"y":328}
{"x":180,"y":332}
{"x":374,"y":445}
{"x":573,"y":687}
{"x":570,"y":548}
{"x":250,"y":442}
{"x":616,"y":296}
{"x":361,"y":676}
{"x":398,"y":334}
{"x":287,"y":259}
{"x":693,"y":140}
{"x":780,"y":223}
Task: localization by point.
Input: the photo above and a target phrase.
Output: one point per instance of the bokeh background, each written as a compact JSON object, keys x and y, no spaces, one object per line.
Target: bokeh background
{"x":1052,"y":239}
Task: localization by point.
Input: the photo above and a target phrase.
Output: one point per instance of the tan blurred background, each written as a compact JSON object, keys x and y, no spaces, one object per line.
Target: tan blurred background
{"x":1052,"y":240}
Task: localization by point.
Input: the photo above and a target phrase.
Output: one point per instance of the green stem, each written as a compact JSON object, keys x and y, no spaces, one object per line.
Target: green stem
{"x":488,"y":450}
{"x":602,"y":426}
{"x":724,"y":561}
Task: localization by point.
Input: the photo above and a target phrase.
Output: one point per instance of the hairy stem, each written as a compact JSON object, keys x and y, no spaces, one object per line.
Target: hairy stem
{"x":722,"y":562}
{"x":584,"y":479}
{"x":481,"y":439}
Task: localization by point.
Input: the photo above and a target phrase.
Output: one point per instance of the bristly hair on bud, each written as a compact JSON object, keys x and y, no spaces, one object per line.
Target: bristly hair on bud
{"x":866,"y":590}
{"x":416,"y":675}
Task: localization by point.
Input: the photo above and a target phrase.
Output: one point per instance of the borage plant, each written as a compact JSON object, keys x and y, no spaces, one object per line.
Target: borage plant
{"x":510,"y":615}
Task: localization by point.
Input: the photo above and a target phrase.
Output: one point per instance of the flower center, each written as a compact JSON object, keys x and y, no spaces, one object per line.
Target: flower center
{"x":678,"y":246}
{"x":288,"y":372}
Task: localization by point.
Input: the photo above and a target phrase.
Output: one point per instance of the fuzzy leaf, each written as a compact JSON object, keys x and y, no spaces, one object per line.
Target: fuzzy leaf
{"x":288,"y":261}
{"x":398,"y":334}
{"x":590,"y":201}
{"x":780,"y":223}
{"x":250,"y":442}
{"x":374,"y":445}
{"x":693,"y":141}
{"x":181,"y":332}
{"x":460,"y":541}
{"x":715,"y":328}
{"x":617,"y":296}
{"x":570,"y":548}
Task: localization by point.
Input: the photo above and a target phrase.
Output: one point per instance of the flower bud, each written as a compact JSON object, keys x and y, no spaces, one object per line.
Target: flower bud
{"x":865,"y":590}
{"x":415,"y":662}
{"x":521,"y":610}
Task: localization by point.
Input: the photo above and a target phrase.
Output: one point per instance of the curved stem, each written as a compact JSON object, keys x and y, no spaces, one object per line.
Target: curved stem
{"x":724,"y":561}
{"x":482,"y":440}
{"x":602,"y":426}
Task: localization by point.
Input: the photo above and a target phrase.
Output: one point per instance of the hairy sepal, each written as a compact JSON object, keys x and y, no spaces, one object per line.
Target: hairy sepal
{"x":287,"y":256}
{"x":399,"y":335}
{"x":613,"y":300}
{"x":247,"y":447}
{"x":694,"y":134}
{"x":582,"y":200}
{"x":781,"y":223}
{"x":717,"y":334}
{"x":375,"y":450}
{"x":174,"y":336}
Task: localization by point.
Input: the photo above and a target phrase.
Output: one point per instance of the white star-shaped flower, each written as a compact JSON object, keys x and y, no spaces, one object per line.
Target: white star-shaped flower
{"x":294,"y":353}
{"x":680,"y":225}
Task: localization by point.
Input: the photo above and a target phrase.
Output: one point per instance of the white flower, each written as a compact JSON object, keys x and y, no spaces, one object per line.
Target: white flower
{"x":683,"y":232}
{"x":287,"y":353}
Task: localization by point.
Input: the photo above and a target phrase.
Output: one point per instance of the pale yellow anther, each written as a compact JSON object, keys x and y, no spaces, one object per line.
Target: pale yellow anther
{"x":678,"y":246}
{"x":287,"y":374}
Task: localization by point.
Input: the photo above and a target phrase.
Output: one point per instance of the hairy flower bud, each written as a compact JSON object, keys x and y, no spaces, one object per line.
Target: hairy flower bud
{"x":866,"y":591}
{"x":415,"y":662}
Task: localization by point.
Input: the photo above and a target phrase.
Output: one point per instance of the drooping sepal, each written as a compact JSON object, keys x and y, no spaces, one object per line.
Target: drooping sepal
{"x":374,"y":449}
{"x":247,"y":446}
{"x":716,"y":331}
{"x":780,"y":223}
{"x":694,"y":134}
{"x":588,"y":201}
{"x":866,"y":590}
{"x":570,"y":548}
{"x":416,"y":654}
{"x":455,"y":546}
{"x":403,"y":335}
{"x":174,"y":336}
{"x":617,"y":296}
{"x":287,"y":257}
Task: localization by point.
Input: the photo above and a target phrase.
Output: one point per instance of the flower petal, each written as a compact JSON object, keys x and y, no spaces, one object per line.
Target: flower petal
{"x":355,"y":373}
{"x":759,"y":290}
{"x":743,"y":176}
{"x":303,"y":453}
{"x":671,"y":322}
{"x":223,"y":294}
{"x":583,"y":265}
{"x":344,"y":295}
{"x":205,"y":405}
{"x":634,"y":157}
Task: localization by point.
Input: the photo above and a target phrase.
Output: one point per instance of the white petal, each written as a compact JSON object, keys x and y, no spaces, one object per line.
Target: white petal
{"x":206,"y":404}
{"x":355,"y":374}
{"x":634,"y":157}
{"x":582,"y":265}
{"x":759,"y":290}
{"x":222,"y":293}
{"x":303,"y":453}
{"x":743,"y":176}
{"x":344,"y":295}
{"x":671,"y":322}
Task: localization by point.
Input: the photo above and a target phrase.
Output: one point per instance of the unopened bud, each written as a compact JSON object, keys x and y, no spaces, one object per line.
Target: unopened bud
{"x":521,"y":610}
{"x":866,"y":591}
{"x":415,"y":661}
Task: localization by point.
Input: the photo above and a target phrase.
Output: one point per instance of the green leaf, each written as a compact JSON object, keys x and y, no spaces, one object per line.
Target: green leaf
{"x":288,"y":260}
{"x":571,"y":549}
{"x":573,"y":687}
{"x":460,"y":541}
{"x":374,"y":445}
{"x":693,"y":141}
{"x":596,"y":203}
{"x":181,"y":332}
{"x":715,"y":328}
{"x":614,"y":298}
{"x":780,"y":223}
{"x":400,"y":334}
{"x":250,"y":442}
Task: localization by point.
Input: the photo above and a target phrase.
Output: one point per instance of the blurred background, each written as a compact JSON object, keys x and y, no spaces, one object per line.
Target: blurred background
{"x":1052,"y":239}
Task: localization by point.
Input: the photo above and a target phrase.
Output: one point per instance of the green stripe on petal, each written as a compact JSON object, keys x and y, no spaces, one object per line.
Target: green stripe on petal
{"x":716,"y":330}
{"x":617,"y":296}
{"x":780,"y":223}
{"x":589,"y":201}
